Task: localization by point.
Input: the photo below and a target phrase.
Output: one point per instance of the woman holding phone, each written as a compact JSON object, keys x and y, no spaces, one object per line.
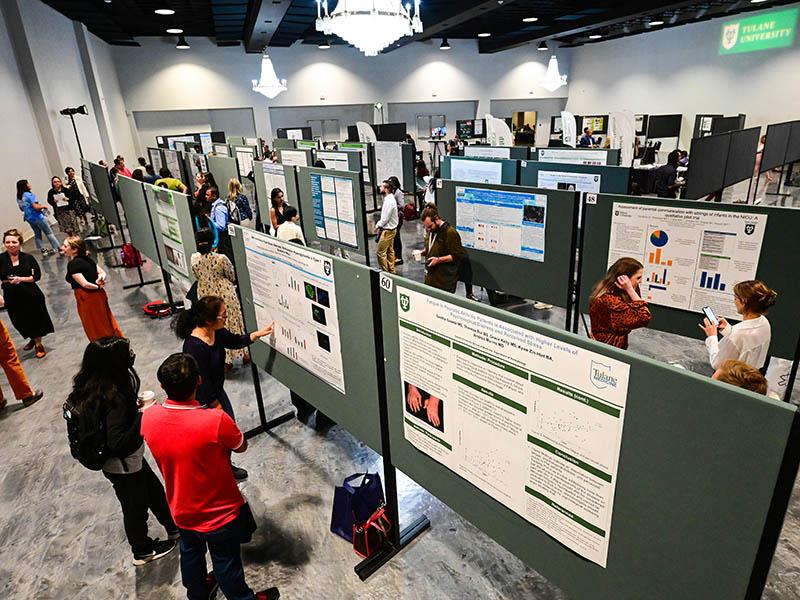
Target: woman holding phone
{"x":24,"y":300}
{"x":749,"y":340}
{"x":615,"y":306}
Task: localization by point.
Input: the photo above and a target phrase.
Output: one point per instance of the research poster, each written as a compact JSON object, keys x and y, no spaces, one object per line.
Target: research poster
{"x":155,"y":158}
{"x":572,"y":182}
{"x":294,"y":158}
{"x":361,"y":149}
{"x":504,"y":222}
{"x":221,"y":150}
{"x":173,"y":162}
{"x":244,"y":161}
{"x":274,"y":177}
{"x":487,"y":152}
{"x":334,"y":160}
{"x":574,"y":157}
{"x":174,"y":251}
{"x":533,"y":422}
{"x":692,"y":258}
{"x":307,"y":144}
{"x":334,"y":209}
{"x":476,"y":171}
{"x":389,"y":161}
{"x":296,"y":288}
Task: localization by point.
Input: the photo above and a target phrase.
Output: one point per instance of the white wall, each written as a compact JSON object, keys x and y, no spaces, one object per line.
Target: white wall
{"x":159,"y":77}
{"x":544,"y":108}
{"x":285,"y":117}
{"x":453,"y":111}
{"x":679,"y":70}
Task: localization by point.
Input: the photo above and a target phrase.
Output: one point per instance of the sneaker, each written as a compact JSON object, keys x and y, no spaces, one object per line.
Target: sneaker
{"x":541,"y":305}
{"x":37,"y":395}
{"x":160,"y":549}
{"x":239,"y":474}
{"x":269,"y":594}
{"x":472,"y":297}
{"x":398,"y":261}
{"x":212,"y":585}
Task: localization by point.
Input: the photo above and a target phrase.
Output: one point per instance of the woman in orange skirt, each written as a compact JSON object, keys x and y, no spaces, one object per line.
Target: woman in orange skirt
{"x":88,"y":280}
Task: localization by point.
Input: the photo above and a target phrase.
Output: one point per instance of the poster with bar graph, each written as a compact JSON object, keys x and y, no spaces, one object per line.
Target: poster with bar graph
{"x":296,"y":288}
{"x":692,"y":258}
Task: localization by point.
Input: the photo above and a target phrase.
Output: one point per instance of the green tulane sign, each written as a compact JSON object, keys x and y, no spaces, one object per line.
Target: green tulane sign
{"x":762,"y":32}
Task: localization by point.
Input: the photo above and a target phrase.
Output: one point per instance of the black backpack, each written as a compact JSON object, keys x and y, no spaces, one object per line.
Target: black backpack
{"x":86,"y":431}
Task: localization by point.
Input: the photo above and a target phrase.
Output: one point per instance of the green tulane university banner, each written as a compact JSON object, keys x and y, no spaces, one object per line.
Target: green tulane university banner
{"x":761,"y":32}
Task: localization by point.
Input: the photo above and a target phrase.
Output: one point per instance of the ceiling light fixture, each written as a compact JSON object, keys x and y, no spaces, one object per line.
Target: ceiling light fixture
{"x":269,"y":85}
{"x":182,"y":44}
{"x":370,"y":25}
{"x":757,"y":1}
{"x":542,"y":47}
{"x":655,"y":23}
{"x":325,"y":45}
{"x":165,"y":11}
{"x":175,"y":31}
{"x":595,"y":36}
{"x":445,"y":45}
{"x":530,"y":19}
{"x":553,"y":79}
{"x":484,"y":35}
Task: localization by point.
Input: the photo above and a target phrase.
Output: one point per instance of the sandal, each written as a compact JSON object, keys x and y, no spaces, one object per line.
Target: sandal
{"x":40,"y":351}
{"x":29,"y":345}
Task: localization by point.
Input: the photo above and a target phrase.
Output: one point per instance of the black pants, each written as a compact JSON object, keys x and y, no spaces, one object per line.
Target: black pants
{"x":465,"y":274}
{"x":398,"y":243}
{"x":138,"y":492}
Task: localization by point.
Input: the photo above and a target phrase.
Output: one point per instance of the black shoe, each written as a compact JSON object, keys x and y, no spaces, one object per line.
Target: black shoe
{"x":239,"y":474}
{"x":269,"y":594}
{"x":37,"y":395}
{"x":174,"y":535}
{"x":160,"y":549}
{"x":398,"y":261}
{"x":212,"y":586}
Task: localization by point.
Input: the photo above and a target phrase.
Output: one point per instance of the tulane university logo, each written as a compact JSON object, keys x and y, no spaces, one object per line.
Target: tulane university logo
{"x":749,"y":228}
{"x":730,"y":36}
{"x":327,"y":267}
{"x":405,"y":303}
{"x":601,"y":376}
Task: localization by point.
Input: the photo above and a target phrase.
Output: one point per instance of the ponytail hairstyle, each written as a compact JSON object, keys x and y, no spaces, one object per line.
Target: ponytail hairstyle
{"x":77,"y":244}
{"x":624,"y":266}
{"x":203,"y":312}
{"x":755,"y":295}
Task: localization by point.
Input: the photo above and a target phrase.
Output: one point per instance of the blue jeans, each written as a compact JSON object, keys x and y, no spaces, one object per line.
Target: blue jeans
{"x":224,"y":545}
{"x":42,"y":227}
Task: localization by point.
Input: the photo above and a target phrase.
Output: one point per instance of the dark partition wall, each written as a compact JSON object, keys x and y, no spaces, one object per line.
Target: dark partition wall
{"x":776,"y":145}
{"x":101,"y":185}
{"x":793,"y":145}
{"x":741,"y":155}
{"x":664,"y":126}
{"x":706,"y":174}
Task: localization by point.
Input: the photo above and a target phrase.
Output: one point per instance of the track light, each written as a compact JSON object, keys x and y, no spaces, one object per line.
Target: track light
{"x":542,"y":47}
{"x":175,"y":31}
{"x":595,"y":36}
{"x":324,"y":44}
{"x":182,"y":44}
{"x":445,"y":45}
{"x":164,"y":11}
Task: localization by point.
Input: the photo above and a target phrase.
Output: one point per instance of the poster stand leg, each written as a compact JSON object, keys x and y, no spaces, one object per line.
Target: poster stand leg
{"x":787,"y":394}
{"x":262,"y":415}
{"x":578,"y":266}
{"x":780,"y":185}
{"x":173,"y":306}
{"x":398,"y":539}
{"x":572,"y":296}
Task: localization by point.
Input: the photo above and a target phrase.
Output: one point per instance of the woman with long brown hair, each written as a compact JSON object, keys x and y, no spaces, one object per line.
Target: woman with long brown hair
{"x":27,"y":309}
{"x":88,"y":281}
{"x":749,"y":340}
{"x":615,"y":305}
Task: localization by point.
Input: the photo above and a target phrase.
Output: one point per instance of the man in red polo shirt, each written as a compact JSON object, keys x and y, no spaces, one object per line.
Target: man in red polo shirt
{"x":192,"y":446}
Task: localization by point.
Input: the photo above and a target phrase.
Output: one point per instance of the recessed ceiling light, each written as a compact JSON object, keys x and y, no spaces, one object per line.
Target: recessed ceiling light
{"x":484,"y":34}
{"x":595,"y":36}
{"x":324,"y":45}
{"x":757,"y":1}
{"x":530,"y":19}
{"x":182,"y":44}
{"x":164,"y":11}
{"x":542,"y":47}
{"x":655,"y":23}
{"x":445,"y":45}
{"x":175,"y":31}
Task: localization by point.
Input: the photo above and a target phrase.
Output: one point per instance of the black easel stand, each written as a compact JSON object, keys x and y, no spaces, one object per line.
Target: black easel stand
{"x":173,"y":306}
{"x":398,"y":539}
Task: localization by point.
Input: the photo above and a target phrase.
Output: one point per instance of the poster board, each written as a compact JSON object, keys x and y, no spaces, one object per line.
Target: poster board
{"x":222,"y":150}
{"x":357,"y":410}
{"x":172,"y":222}
{"x":269,"y":175}
{"x":244,"y":155}
{"x":578,"y":156}
{"x":295,"y":158}
{"x":512,"y":152}
{"x":706,"y":174}
{"x":137,"y":218}
{"x":172,"y":161}
{"x":154,"y":155}
{"x":340,"y":160}
{"x":326,"y":196}
{"x":283,"y":144}
{"x":104,"y":196}
{"x":581,"y":178}
{"x":223,"y":169}
{"x":307,"y":144}
{"x":480,"y":170}
{"x":776,"y":266}
{"x":663,"y":541}
{"x":549,"y":280}
{"x":394,"y":159}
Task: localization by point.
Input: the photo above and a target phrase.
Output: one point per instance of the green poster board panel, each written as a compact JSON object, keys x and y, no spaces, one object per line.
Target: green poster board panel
{"x":613,"y":180}
{"x":137,"y":217}
{"x":691,"y":498}
{"x":510,"y":169}
{"x":357,"y":409}
{"x":86,"y":175}
{"x":101,"y":185}
{"x":172,"y":222}
{"x":777,"y":266}
{"x":307,"y":212}
{"x":548,"y":281}
{"x":235,"y":140}
{"x":609,"y":157}
{"x":282,"y":144}
{"x":223,"y":169}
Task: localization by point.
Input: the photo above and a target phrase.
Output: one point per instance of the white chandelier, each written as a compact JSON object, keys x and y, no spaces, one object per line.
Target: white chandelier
{"x":269,"y":85}
{"x":553,"y":79}
{"x":369,"y":25}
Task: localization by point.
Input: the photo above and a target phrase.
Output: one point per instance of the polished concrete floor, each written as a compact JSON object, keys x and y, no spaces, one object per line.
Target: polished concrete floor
{"x":61,"y":528}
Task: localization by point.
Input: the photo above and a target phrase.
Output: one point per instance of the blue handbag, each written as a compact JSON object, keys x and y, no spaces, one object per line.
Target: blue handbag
{"x":354,"y":505}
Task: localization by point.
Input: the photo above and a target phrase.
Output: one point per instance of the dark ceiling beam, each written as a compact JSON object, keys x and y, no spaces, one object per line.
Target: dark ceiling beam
{"x":624,"y":13}
{"x":263,"y":20}
{"x":457,"y":17}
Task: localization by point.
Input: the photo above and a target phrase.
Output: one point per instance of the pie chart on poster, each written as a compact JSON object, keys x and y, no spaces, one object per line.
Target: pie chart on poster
{"x":659,"y":238}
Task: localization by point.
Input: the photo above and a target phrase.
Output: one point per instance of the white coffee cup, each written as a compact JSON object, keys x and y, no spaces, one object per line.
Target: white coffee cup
{"x":146,"y":398}
{"x":417,"y":254}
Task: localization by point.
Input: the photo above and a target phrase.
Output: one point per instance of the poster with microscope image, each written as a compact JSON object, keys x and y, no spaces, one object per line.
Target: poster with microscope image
{"x":295,"y":288}
{"x":532,"y":421}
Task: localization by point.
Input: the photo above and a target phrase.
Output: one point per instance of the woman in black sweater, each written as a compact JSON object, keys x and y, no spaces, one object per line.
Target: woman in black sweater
{"x":107,"y":385}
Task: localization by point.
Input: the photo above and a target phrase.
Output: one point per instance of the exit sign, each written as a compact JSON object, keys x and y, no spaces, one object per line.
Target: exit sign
{"x":762,"y":32}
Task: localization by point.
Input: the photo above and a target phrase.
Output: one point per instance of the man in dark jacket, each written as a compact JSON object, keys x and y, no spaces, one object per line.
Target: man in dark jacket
{"x":443,"y":250}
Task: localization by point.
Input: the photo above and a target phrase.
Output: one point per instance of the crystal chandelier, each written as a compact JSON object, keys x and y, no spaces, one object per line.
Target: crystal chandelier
{"x":553,"y":79}
{"x":269,"y":85}
{"x":369,"y":25}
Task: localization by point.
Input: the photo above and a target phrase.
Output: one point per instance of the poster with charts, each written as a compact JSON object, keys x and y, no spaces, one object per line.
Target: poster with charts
{"x":175,"y":253}
{"x":692,"y":258}
{"x":296,"y":288}
{"x":531,"y":421}
{"x":274,"y":177}
{"x":334,"y":209}
{"x":503,"y":222}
